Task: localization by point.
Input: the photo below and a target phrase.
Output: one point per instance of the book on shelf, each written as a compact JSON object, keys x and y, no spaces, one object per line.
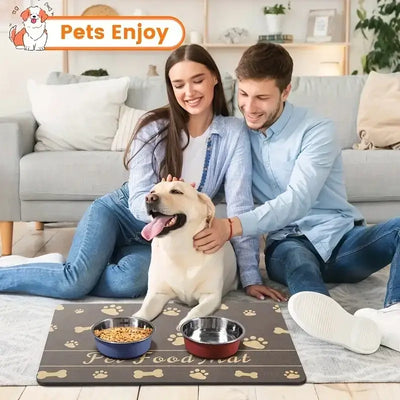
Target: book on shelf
{"x":276,"y":38}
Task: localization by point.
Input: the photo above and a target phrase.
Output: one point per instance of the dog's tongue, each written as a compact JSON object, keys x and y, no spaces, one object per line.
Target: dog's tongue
{"x":33,"y":20}
{"x":153,"y":228}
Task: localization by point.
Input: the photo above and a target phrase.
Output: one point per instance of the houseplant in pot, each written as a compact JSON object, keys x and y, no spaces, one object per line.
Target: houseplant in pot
{"x":382,"y":30}
{"x":274,"y":17}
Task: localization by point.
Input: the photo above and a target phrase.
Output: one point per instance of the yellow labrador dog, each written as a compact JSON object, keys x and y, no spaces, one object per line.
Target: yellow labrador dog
{"x":177,"y":270}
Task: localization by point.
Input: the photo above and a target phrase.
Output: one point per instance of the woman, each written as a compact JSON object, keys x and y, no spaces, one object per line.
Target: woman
{"x":192,"y":137}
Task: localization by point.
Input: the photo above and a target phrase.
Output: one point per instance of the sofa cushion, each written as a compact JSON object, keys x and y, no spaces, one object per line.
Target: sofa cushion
{"x":70,"y":175}
{"x":83,"y":116}
{"x":144,"y":93}
{"x":372,"y":175}
{"x":378,"y":120}
{"x":334,"y":97}
{"x":128,"y":118}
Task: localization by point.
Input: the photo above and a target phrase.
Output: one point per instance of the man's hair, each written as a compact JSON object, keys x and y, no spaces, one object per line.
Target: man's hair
{"x":266,"y":61}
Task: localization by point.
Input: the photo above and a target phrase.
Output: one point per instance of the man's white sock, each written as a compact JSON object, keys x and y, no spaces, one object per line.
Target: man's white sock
{"x":388,"y":322}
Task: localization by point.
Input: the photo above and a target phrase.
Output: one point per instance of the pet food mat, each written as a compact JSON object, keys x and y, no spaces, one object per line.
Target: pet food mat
{"x":266,"y":354}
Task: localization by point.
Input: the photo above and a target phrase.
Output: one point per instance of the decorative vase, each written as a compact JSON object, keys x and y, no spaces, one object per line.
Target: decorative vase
{"x":152,"y":71}
{"x":274,"y":23}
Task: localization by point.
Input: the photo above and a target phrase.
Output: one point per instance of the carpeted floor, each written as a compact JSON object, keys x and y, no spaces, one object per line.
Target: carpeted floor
{"x":25,"y":321}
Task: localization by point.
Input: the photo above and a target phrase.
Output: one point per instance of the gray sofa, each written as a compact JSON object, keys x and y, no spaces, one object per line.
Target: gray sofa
{"x":57,"y":186}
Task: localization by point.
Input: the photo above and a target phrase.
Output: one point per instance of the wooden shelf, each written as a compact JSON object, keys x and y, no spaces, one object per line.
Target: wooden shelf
{"x":294,"y":44}
{"x":345,"y":45}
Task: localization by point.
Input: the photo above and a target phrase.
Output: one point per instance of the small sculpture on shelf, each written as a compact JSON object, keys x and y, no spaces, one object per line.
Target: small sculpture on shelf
{"x":152,"y":71}
{"x":234,"y":35}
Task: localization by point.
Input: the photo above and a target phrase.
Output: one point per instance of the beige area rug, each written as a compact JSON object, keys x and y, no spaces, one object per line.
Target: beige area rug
{"x":25,"y":322}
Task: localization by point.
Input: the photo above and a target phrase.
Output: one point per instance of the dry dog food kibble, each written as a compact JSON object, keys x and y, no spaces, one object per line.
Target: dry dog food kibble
{"x":123,"y":334}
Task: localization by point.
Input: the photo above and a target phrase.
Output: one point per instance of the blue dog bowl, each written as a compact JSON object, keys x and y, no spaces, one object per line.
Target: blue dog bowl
{"x":123,"y":350}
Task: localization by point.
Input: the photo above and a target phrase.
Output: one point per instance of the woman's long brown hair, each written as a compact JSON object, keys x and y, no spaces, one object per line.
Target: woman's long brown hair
{"x":176,"y":117}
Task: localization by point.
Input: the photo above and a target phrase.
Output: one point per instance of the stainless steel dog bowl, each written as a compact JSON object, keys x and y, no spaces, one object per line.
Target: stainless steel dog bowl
{"x":122,"y":350}
{"x":212,"y":337}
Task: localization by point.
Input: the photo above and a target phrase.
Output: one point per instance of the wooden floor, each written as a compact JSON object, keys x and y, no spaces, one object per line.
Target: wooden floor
{"x":57,"y":238}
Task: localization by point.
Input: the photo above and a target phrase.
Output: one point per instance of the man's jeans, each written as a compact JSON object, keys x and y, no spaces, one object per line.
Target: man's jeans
{"x":108,"y":257}
{"x":362,"y":251}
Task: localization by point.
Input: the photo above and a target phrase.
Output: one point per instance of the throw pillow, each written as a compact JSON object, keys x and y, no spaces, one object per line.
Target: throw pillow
{"x":378,"y":121}
{"x":128,"y":118}
{"x":83,"y":116}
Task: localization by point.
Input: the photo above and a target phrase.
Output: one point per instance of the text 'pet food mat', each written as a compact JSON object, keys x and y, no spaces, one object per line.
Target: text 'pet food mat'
{"x":266,"y":354}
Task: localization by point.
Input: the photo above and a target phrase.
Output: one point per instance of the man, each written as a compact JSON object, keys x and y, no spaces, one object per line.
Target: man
{"x":314,"y":235}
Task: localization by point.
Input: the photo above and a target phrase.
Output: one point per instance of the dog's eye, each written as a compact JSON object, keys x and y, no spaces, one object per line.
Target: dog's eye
{"x":175,"y":191}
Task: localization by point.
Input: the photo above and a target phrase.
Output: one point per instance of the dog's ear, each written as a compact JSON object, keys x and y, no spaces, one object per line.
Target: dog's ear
{"x":43,"y":16}
{"x":25,"y":14}
{"x":210,"y":207}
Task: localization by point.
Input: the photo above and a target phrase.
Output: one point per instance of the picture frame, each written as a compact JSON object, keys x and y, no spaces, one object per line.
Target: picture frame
{"x":320,"y":25}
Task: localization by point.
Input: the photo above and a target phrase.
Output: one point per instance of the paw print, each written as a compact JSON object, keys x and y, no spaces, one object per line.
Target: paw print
{"x":223,"y":307}
{"x":280,"y":331}
{"x":172,"y":312}
{"x":291,"y":374}
{"x":249,"y":313}
{"x":112,"y":309}
{"x":71,"y":344}
{"x":255,"y":343}
{"x":177,"y":340}
{"x":60,"y":307}
{"x":276,"y":308}
{"x":79,"y":311}
{"x":199,"y":374}
{"x":53,"y":327}
{"x":101,"y":374}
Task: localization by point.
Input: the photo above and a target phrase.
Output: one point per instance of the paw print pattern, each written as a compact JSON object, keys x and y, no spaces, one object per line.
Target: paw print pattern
{"x":291,"y":374}
{"x":249,"y":313}
{"x":255,"y":343}
{"x":276,"y":308}
{"x":199,"y":374}
{"x":172,"y":312}
{"x":53,"y":327}
{"x":112,"y":309}
{"x":176,"y":339}
{"x":71,"y":344}
{"x":280,"y":331}
{"x":101,"y":374}
{"x":224,"y":307}
{"x":79,"y":311}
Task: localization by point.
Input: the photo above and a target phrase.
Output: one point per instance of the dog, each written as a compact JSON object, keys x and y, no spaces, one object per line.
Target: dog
{"x":34,"y":35}
{"x":177,"y":269}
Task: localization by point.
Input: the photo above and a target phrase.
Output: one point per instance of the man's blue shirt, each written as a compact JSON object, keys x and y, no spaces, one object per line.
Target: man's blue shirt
{"x":298,"y":178}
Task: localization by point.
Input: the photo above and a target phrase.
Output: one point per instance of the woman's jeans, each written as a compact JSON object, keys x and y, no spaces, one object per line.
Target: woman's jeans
{"x":362,"y":251}
{"x":108,"y":257}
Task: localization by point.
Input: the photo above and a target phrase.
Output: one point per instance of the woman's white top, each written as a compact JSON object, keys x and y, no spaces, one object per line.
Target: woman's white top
{"x":194,"y":157}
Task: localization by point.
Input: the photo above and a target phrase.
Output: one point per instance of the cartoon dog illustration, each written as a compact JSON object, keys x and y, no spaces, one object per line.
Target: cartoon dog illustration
{"x":33,"y":36}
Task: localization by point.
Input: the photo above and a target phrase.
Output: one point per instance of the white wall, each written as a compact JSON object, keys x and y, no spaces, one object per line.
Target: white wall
{"x":16,"y":66}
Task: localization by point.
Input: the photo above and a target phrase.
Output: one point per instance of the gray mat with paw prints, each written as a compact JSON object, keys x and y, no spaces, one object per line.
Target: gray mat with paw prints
{"x":266,"y":354}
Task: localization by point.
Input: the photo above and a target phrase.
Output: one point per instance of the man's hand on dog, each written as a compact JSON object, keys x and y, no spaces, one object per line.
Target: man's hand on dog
{"x":260,"y":291}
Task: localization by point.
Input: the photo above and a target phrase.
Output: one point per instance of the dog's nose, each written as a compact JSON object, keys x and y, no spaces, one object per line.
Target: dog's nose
{"x":152,"y":198}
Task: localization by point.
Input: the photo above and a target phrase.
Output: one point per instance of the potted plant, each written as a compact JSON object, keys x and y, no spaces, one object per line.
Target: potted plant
{"x":274,"y":17}
{"x":384,"y":25}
